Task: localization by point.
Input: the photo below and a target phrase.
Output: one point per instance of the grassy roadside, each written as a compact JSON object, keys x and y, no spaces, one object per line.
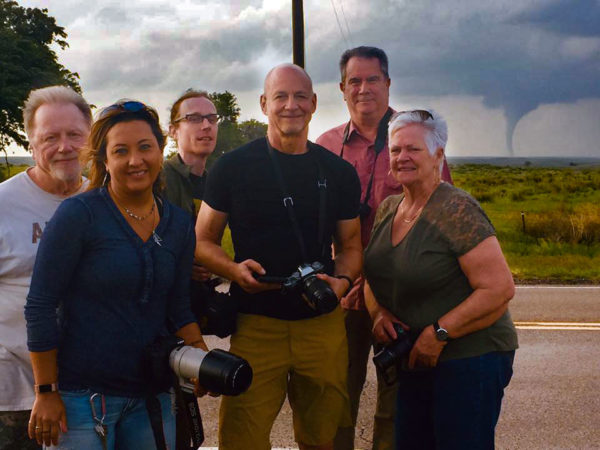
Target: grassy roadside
{"x":547,"y":219}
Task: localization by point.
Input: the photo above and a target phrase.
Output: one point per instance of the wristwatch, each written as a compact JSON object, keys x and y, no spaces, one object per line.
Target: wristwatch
{"x":440,"y":333}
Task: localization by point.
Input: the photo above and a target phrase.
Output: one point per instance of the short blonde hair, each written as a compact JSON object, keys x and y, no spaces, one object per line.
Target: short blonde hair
{"x":52,"y":94}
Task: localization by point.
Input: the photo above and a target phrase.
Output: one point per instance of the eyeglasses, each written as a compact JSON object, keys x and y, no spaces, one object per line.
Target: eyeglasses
{"x":422,"y":113}
{"x":198,"y":118}
{"x":128,"y":106}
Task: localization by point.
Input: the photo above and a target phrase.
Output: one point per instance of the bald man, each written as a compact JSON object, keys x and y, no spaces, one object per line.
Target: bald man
{"x":286,"y":201}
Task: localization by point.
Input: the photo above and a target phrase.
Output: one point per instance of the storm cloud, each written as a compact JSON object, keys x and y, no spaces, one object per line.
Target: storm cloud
{"x":514,"y":56}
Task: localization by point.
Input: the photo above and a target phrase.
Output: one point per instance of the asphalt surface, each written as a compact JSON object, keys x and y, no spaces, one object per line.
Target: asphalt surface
{"x":553,"y":400}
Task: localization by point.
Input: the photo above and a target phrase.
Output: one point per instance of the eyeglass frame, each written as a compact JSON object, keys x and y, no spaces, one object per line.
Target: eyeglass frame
{"x":203,"y":117}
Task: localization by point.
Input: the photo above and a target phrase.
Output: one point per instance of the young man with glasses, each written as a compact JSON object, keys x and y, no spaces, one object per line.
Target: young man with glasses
{"x":362,"y":141}
{"x":193,"y":126}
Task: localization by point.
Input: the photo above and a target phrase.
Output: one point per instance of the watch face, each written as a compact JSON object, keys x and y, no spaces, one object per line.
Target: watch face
{"x":441,"y":334}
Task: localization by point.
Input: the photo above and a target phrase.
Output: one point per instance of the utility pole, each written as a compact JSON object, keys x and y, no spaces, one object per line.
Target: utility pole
{"x":298,"y":32}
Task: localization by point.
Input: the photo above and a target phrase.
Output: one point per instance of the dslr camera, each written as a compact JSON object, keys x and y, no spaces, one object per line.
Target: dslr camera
{"x":391,"y":355}
{"x":315,"y":292}
{"x":169,"y":363}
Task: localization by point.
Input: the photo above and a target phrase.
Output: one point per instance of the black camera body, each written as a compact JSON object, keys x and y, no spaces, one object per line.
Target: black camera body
{"x":216,"y":312}
{"x":391,"y":355}
{"x":314,"y":291}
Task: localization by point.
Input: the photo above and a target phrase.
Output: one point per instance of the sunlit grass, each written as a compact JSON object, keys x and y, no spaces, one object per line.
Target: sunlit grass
{"x":547,"y":219}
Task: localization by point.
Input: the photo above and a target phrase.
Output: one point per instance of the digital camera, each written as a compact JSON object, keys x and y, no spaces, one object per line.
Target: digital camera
{"x":391,"y":355}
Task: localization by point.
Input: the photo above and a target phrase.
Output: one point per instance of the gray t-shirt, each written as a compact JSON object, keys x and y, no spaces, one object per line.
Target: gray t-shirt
{"x":420,"y":279}
{"x":25,"y":210}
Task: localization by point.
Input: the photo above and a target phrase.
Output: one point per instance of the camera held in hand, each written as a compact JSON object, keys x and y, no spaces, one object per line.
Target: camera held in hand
{"x":217,"y":371}
{"x":315,"y":292}
{"x":391,"y":355}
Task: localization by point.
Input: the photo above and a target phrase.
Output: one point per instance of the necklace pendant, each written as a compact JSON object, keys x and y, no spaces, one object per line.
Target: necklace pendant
{"x":157,"y":239}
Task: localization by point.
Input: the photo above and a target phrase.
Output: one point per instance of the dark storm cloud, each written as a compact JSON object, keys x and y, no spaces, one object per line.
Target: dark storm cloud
{"x":220,"y":56}
{"x":515,"y":58}
{"x":515,"y":55}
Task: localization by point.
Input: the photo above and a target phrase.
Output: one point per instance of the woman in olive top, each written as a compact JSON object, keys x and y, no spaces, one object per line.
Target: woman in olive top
{"x":435,"y":267}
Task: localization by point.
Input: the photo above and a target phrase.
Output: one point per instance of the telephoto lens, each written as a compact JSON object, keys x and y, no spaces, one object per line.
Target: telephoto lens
{"x":217,"y":371}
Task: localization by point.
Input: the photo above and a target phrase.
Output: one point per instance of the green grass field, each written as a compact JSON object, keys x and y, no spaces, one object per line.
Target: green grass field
{"x":559,"y":241}
{"x":548,"y":220}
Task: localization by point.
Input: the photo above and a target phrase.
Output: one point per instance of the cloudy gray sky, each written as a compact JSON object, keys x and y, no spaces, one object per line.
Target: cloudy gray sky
{"x":511,"y":77}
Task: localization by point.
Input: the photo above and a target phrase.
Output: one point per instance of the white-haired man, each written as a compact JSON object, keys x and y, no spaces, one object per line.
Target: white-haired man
{"x":57,"y":122}
{"x":365,"y":83}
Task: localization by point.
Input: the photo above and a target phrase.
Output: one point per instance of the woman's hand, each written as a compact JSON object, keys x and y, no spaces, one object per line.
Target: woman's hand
{"x":48,"y":417}
{"x":383,"y":326}
{"x":426,"y":350}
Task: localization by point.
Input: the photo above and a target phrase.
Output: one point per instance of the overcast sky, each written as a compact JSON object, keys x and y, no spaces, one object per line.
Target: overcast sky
{"x":511,"y":77}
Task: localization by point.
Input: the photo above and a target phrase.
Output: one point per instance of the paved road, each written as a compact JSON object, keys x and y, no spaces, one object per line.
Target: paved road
{"x":553,"y":400}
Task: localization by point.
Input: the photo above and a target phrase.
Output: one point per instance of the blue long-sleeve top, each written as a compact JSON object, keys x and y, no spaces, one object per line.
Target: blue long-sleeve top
{"x":100,"y":295}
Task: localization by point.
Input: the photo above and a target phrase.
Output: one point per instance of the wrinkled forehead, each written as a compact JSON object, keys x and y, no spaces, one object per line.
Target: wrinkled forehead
{"x":58,"y":116}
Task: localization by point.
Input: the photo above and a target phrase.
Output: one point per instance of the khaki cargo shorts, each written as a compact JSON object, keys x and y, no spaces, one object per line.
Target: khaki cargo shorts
{"x":305,"y":359}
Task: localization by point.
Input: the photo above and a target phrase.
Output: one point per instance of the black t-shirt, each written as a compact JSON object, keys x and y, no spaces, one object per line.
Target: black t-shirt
{"x":243,"y":184}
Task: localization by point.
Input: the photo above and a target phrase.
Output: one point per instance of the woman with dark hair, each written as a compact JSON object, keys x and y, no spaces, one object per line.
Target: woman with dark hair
{"x":436,"y":277}
{"x":111,"y":275}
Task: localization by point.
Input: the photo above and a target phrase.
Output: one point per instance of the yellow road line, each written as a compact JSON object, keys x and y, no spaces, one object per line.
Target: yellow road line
{"x":588,"y":326}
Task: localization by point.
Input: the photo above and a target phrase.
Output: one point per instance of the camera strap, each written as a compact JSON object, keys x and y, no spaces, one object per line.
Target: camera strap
{"x":380,"y":141}
{"x":288,"y":202}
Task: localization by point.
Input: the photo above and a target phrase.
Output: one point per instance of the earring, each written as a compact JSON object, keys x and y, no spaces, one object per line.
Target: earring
{"x":105,"y":180}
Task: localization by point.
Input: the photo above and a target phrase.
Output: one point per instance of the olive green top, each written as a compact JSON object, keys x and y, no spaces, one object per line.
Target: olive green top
{"x":420,"y":279}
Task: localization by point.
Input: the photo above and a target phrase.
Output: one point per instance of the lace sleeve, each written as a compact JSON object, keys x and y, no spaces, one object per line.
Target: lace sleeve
{"x":386,"y":207}
{"x":464,"y":223}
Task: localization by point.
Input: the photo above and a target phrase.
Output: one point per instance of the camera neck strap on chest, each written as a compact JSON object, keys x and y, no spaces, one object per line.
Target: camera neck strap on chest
{"x":288,"y":201}
{"x":380,"y":140}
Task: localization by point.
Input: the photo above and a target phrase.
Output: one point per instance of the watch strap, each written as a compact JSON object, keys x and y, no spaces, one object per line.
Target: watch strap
{"x":44,"y":388}
{"x":350,"y":283}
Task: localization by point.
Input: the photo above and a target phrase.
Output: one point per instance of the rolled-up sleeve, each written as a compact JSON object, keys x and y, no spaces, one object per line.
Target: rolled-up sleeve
{"x":57,"y":258}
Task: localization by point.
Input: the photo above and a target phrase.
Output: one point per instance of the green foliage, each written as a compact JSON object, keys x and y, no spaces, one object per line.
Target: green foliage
{"x":231,"y":133}
{"x":561,"y":209}
{"x":6,"y":173}
{"x":28,"y":61}
{"x":227,"y":106}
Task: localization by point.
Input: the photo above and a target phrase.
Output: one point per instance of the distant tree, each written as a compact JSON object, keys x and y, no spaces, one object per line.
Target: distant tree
{"x":227,"y":106}
{"x":27,"y":62}
{"x":252,"y":129}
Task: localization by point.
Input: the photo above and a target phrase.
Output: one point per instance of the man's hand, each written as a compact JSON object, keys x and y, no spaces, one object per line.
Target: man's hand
{"x":48,"y":417}
{"x":427,"y":349}
{"x":244,"y":276}
{"x":339,"y":285}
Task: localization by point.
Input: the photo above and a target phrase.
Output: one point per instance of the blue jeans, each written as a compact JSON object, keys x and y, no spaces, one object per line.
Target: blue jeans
{"x":456,"y":405}
{"x":126,"y":418}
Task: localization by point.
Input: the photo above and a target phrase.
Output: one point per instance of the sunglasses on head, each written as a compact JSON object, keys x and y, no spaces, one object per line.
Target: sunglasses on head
{"x":127,"y":106}
{"x":198,"y":118}
{"x":422,"y":113}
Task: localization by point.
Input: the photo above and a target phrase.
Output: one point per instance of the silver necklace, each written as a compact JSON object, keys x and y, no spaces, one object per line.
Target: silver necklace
{"x":414,"y":217}
{"x":140,"y":218}
{"x":157,"y":239}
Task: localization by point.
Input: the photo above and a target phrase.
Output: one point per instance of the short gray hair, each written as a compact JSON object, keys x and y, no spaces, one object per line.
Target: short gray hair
{"x":52,"y":94}
{"x":436,"y":134}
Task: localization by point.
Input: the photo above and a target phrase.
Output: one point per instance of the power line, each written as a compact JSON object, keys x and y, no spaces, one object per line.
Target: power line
{"x":337,"y":19}
{"x":347,"y":27}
